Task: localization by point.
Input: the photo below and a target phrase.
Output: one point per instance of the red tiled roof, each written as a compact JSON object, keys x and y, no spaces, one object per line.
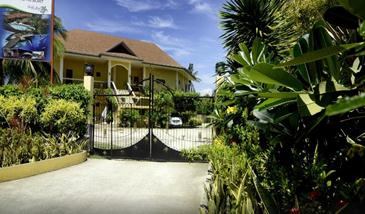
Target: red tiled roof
{"x":97,"y":44}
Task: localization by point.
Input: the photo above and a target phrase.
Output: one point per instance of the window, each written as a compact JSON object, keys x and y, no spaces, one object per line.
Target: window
{"x":161,"y":81}
{"x":69,"y":76}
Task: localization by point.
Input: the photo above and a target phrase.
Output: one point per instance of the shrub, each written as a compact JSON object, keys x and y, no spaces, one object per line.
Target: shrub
{"x":164,"y":106}
{"x":18,"y":147}
{"x":72,"y":92}
{"x":18,"y":112}
{"x":129,"y":117}
{"x":195,"y":121}
{"x":186,"y":115}
{"x":61,"y":116}
{"x":233,"y":187}
{"x":10,"y":90}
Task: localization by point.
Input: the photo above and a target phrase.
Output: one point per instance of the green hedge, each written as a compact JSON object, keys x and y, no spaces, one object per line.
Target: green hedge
{"x":70,"y":92}
{"x":61,"y":116}
{"x":55,"y":110}
{"x":18,"y":147}
{"x":129,"y":117}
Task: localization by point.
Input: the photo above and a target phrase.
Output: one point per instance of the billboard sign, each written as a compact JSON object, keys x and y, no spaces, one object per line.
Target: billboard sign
{"x":25,"y":29}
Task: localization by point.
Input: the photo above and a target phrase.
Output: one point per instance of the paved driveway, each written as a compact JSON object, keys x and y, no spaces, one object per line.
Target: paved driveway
{"x":108,"y":186}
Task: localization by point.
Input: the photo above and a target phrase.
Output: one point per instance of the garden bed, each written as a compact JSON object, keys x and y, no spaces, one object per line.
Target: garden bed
{"x":39,"y":167}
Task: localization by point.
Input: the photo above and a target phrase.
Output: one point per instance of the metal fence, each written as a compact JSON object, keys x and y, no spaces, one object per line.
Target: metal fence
{"x":127,"y":126}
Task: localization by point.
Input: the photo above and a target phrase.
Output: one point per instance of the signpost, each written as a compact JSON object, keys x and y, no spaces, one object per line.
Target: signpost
{"x":26,"y":30}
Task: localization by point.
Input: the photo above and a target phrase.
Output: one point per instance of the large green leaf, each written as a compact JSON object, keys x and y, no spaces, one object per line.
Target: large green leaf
{"x":346,"y":105}
{"x":324,"y":41}
{"x":307,"y":106}
{"x":362,"y":29}
{"x":274,"y":102}
{"x":265,"y":73}
{"x":299,"y":49}
{"x":265,"y":197}
{"x":331,"y":87}
{"x":320,"y":54}
{"x":245,"y":54}
{"x":279,"y":94}
{"x":239,"y":58}
{"x":240,"y":79}
{"x":356,"y":7}
{"x":258,"y":49}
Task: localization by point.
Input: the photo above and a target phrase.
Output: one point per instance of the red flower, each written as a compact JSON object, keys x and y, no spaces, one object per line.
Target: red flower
{"x":314,"y":195}
{"x":294,"y":210}
{"x":341,"y":203}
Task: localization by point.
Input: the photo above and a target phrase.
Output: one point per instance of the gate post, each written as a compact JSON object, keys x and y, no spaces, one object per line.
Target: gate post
{"x":89,"y":86}
{"x":150,"y":108}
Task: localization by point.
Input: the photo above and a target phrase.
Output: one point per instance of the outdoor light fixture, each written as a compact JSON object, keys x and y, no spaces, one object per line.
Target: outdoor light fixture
{"x":89,"y":70}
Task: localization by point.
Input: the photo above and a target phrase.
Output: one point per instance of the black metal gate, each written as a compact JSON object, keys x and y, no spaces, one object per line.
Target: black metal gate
{"x":144,"y":125}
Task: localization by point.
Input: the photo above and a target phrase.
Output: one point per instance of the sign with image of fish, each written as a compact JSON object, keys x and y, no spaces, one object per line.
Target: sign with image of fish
{"x":25,"y":29}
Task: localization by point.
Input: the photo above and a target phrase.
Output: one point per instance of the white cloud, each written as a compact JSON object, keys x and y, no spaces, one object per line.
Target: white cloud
{"x":136,"y":6}
{"x":203,"y":7}
{"x":110,"y":26}
{"x":165,"y":39}
{"x":144,"y":5}
{"x":157,"y":22}
{"x":177,"y":47}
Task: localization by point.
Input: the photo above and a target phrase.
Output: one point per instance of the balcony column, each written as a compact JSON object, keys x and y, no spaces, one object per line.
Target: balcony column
{"x":144,"y":76}
{"x":177,"y":80}
{"x":109,"y":73}
{"x":61,"y":69}
{"x":129,"y":73}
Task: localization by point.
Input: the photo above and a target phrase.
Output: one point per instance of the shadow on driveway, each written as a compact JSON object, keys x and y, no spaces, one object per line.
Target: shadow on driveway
{"x":109,"y":186}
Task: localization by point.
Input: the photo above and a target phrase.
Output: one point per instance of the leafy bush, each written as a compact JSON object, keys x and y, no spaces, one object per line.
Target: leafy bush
{"x":298,"y":125}
{"x":63,"y":117}
{"x":72,"y":92}
{"x":18,"y":147}
{"x":18,"y":112}
{"x":233,"y":187}
{"x":164,"y":106}
{"x":195,"y":121}
{"x":197,"y":154}
{"x":186,"y":115}
{"x":129,"y":117}
{"x":9,"y":90}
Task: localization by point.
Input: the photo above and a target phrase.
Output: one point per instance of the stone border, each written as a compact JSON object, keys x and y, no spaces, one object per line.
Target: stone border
{"x":39,"y":167}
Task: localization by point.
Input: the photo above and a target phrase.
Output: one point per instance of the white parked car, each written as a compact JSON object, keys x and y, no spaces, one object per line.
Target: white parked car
{"x":175,"y":122}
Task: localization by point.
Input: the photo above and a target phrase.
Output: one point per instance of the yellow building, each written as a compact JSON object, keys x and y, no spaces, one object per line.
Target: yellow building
{"x":118,"y":62}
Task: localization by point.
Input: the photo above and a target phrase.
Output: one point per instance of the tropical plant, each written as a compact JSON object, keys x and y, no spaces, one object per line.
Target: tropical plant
{"x":64,"y":117}
{"x":129,"y":117}
{"x":301,"y":15}
{"x":18,"y":147}
{"x":17,"y":112}
{"x":301,"y":105}
{"x":72,"y":92}
{"x":163,"y":108}
{"x":245,"y":20}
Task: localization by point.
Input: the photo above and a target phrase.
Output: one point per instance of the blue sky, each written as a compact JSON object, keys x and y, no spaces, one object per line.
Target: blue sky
{"x":187,"y":29}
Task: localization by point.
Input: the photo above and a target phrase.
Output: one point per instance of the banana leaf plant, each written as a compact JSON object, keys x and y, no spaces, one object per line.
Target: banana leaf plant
{"x":322,"y":80}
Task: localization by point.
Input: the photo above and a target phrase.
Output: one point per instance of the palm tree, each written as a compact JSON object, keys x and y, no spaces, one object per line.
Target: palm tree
{"x":193,"y":72}
{"x":38,"y":72}
{"x":245,"y":20}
